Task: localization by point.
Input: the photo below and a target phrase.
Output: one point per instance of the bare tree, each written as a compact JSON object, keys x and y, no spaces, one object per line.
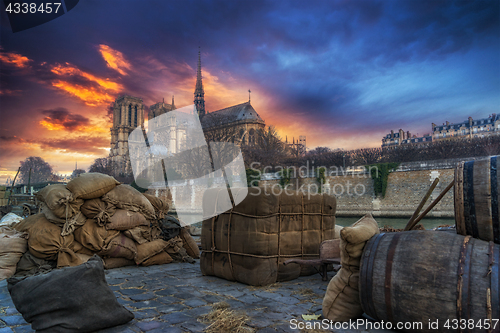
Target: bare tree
{"x":41,"y":171}
{"x":101,"y":165}
{"x":269,"y":149}
{"x":76,"y":173}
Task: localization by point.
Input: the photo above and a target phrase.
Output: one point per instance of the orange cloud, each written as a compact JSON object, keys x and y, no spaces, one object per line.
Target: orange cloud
{"x":89,"y":95}
{"x":8,"y":92}
{"x":50,"y":126}
{"x":14,"y":59}
{"x":71,"y":70}
{"x":114,"y":59}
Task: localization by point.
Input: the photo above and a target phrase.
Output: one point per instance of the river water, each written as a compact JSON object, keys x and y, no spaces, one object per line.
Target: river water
{"x":398,"y":223}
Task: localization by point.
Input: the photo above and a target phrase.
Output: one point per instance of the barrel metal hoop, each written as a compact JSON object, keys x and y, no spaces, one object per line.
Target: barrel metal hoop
{"x":470,"y":213}
{"x":464,"y":279}
{"x":388,"y":274}
{"x":494,"y":278}
{"x":366,"y":275}
{"x":494,"y":200}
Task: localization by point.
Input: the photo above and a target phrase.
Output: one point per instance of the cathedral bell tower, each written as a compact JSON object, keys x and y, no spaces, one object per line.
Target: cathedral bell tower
{"x":199,"y":93}
{"x":128,"y":113}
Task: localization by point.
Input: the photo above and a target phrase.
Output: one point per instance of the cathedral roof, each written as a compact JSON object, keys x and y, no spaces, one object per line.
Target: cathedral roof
{"x":242,"y":112}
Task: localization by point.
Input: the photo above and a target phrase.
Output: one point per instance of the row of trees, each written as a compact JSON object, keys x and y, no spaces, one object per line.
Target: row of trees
{"x":445,"y":149}
{"x":270,"y":151}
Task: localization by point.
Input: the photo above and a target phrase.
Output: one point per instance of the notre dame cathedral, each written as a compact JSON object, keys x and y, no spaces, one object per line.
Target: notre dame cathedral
{"x":237,"y":123}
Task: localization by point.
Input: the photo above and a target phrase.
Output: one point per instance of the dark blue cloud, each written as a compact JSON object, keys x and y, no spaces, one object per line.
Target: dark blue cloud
{"x":323,"y":59}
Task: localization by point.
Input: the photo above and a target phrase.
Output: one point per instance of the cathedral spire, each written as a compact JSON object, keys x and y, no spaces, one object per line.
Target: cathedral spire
{"x":199,"y":93}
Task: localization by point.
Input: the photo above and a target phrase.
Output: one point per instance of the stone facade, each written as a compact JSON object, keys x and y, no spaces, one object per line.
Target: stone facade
{"x":128,"y":113}
{"x":467,"y":129}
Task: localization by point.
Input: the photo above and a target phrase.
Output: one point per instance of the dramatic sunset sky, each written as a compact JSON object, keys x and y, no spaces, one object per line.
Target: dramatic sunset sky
{"x":343,"y":73}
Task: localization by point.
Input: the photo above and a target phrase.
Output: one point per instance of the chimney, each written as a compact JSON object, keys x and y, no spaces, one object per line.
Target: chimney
{"x":408,"y":135}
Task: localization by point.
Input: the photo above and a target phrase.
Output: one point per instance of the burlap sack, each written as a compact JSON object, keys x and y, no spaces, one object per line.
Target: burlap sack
{"x":174,"y":246}
{"x":161,"y":258}
{"x":140,"y":235}
{"x":60,"y":200}
{"x":341,"y":301}
{"x":94,"y":237}
{"x":120,"y":247}
{"x":161,"y":206}
{"x":175,"y":249}
{"x":45,"y":242}
{"x":69,"y":225}
{"x":189,"y":243}
{"x":250,"y":243}
{"x":68,"y":300}
{"x":127,"y":197}
{"x":124,"y":219}
{"x":110,"y":263}
{"x":98,"y":210}
{"x":31,"y":265}
{"x":13,"y":245}
{"x":149,"y":249}
{"x":26,"y":224}
{"x":91,"y":185}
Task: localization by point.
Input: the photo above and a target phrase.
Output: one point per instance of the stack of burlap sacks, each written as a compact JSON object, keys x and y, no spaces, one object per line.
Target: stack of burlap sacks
{"x":95,"y":214}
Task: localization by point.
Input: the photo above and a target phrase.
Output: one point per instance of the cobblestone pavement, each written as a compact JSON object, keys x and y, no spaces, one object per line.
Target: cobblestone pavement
{"x":170,"y":298}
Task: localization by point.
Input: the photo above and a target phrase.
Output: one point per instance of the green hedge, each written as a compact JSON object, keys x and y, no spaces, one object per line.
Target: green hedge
{"x":380,"y":175}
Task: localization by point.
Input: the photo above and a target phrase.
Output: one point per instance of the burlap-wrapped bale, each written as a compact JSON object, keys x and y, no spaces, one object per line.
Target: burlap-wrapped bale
{"x":126,"y":197}
{"x":68,"y":300}
{"x":341,"y":301}
{"x":98,"y":210}
{"x":68,"y":225}
{"x":120,"y":247}
{"x":250,"y":242}
{"x":94,"y":237}
{"x":45,"y":242}
{"x":161,"y":206}
{"x":189,"y":243}
{"x":60,"y":200}
{"x":91,"y":185}
{"x":13,"y":245}
{"x":124,"y":219}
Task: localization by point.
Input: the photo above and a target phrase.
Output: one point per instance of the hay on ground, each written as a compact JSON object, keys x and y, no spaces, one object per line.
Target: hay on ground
{"x":223,"y":319}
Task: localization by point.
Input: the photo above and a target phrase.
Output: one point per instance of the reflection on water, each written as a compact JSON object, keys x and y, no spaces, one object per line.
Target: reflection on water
{"x":398,"y":223}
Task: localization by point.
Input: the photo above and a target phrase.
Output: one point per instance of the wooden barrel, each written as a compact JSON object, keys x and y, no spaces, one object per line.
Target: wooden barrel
{"x":476,"y":199}
{"x":427,"y":277}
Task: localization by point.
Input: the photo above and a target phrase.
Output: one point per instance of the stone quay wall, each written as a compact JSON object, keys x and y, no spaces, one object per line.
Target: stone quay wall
{"x":354,"y":190}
